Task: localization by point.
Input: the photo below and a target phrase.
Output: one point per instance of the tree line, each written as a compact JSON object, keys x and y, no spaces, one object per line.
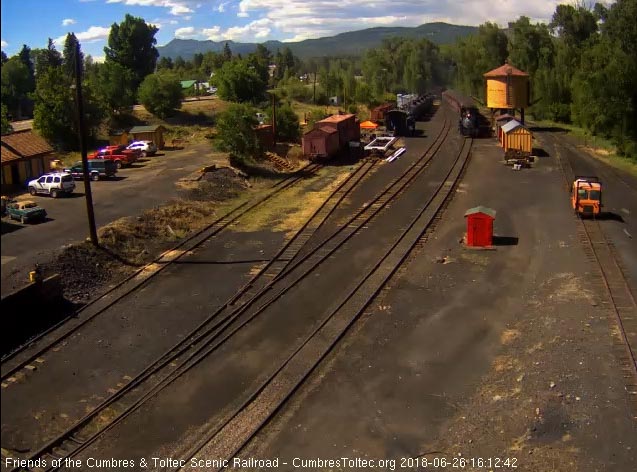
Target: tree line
{"x":582,"y":66}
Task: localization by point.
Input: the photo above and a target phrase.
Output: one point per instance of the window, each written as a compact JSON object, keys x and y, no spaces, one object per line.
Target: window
{"x":41,"y":180}
{"x":581,"y":193}
{"x":49,"y":180}
{"x":594,"y":195}
{"x":57,"y":180}
{"x":67,"y":178}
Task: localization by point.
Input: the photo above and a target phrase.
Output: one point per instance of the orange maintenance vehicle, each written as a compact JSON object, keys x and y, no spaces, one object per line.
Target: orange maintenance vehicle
{"x":586,"y":196}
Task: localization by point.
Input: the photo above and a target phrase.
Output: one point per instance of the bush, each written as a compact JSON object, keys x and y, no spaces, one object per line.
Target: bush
{"x":236,"y":134}
{"x":287,"y":124}
{"x":161,"y":95}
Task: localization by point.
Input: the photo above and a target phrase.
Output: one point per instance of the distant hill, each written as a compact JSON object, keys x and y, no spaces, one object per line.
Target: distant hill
{"x":350,"y":43}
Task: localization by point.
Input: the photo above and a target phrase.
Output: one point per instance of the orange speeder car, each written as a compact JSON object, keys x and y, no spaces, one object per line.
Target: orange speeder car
{"x":586,"y":196}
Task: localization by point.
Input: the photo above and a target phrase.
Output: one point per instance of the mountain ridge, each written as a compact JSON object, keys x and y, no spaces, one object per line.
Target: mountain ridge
{"x":342,"y":44}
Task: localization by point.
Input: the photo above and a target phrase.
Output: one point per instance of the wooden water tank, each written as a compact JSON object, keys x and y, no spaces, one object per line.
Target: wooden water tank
{"x":507,"y":87}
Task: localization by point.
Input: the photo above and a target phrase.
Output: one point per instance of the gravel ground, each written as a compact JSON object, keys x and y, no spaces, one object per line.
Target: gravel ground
{"x":476,"y":354}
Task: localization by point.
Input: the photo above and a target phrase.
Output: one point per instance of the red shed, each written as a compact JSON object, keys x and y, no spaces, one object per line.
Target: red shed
{"x":265,"y":135}
{"x":346,"y":125}
{"x":378,"y":113}
{"x":321,"y":141}
{"x":480,"y":226}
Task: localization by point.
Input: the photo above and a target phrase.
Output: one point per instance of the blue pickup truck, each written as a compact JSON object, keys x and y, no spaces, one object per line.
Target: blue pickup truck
{"x":26,"y":211}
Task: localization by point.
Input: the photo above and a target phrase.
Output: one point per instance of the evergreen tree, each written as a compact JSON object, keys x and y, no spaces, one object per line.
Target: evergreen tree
{"x":69,"y":53}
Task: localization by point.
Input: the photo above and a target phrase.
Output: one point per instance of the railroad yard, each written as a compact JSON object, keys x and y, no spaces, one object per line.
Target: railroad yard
{"x":355,"y":323}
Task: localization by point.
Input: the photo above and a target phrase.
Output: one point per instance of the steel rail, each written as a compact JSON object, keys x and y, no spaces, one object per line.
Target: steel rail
{"x":213,"y":229}
{"x":201,"y":339}
{"x":249,"y":405}
{"x":315,"y":221}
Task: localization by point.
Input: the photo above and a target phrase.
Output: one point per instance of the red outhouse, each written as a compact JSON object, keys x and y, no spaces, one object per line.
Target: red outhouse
{"x":480,"y":226}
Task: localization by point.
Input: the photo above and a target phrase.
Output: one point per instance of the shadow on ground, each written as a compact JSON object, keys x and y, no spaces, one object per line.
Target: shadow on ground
{"x":505,"y":241}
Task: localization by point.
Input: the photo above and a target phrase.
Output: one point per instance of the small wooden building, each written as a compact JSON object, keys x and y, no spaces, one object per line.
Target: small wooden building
{"x":154,"y":133}
{"x":515,"y":136}
{"x":25,"y":155}
{"x":347,"y":126}
{"x":265,"y":135}
{"x":500,"y":121}
{"x":378,"y":113}
{"x":118,"y":138}
{"x":479,"y":226}
{"x":321,"y":142}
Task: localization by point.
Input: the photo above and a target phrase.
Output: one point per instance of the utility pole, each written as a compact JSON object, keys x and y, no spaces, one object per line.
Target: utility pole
{"x":273,"y":118}
{"x":82,"y":129}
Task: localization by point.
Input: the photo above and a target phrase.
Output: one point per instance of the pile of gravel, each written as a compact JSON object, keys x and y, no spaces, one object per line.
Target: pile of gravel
{"x":219,"y":184}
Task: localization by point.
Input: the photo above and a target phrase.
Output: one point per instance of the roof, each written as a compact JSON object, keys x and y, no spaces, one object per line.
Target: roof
{"x":504,"y":117}
{"x":322,"y":129}
{"x":505,"y":70}
{"x":511,"y":125}
{"x":336,"y":118}
{"x":587,"y":184}
{"x":481,"y":209}
{"x":145,"y":129}
{"x":22,"y":144}
{"x":186,"y":84}
{"x":368,"y":125}
{"x":8,"y":155}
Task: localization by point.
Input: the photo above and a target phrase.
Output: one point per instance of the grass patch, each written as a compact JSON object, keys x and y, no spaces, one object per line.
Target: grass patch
{"x":598,"y":147}
{"x":289,"y":210}
{"x":69,"y":158}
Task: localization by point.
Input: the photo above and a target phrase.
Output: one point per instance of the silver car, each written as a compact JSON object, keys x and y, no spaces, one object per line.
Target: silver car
{"x":145,"y":148}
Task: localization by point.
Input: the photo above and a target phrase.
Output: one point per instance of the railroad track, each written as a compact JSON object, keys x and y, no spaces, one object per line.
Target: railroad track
{"x":25,"y":356}
{"x":74,"y":440}
{"x":227,"y":440}
{"x":84,"y":432}
{"x":620,"y":301}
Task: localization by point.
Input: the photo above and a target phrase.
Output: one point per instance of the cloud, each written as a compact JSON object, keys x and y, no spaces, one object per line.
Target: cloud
{"x":256,"y":30}
{"x":295,"y":20}
{"x":68,"y":21}
{"x":91,"y":35}
{"x":185,"y":33}
{"x":301,"y":19}
{"x":214,"y":33}
{"x":3,"y":43}
{"x":176,"y":7}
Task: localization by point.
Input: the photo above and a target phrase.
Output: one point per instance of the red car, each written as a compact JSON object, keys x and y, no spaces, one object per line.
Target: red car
{"x":118,"y":154}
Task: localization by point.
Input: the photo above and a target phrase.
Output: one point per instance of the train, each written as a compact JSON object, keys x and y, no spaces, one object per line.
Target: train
{"x":410,"y":108}
{"x":470,"y":122}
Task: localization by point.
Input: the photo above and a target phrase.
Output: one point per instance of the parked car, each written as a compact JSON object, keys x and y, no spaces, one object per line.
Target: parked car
{"x":146,"y":148}
{"x":118,"y":154}
{"x":97,"y":168}
{"x":54,"y":184}
{"x":26,"y":211}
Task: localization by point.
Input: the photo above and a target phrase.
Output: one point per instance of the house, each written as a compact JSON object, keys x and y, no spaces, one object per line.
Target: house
{"x":154,"y":133}
{"x":25,"y":155}
{"x":189,"y":86}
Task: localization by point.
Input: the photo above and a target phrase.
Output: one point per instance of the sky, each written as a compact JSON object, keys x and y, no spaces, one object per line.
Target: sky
{"x":32,"y":22}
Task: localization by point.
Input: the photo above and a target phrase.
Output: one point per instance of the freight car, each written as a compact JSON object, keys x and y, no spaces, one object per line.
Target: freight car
{"x":411,"y":108}
{"x":469,"y":121}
